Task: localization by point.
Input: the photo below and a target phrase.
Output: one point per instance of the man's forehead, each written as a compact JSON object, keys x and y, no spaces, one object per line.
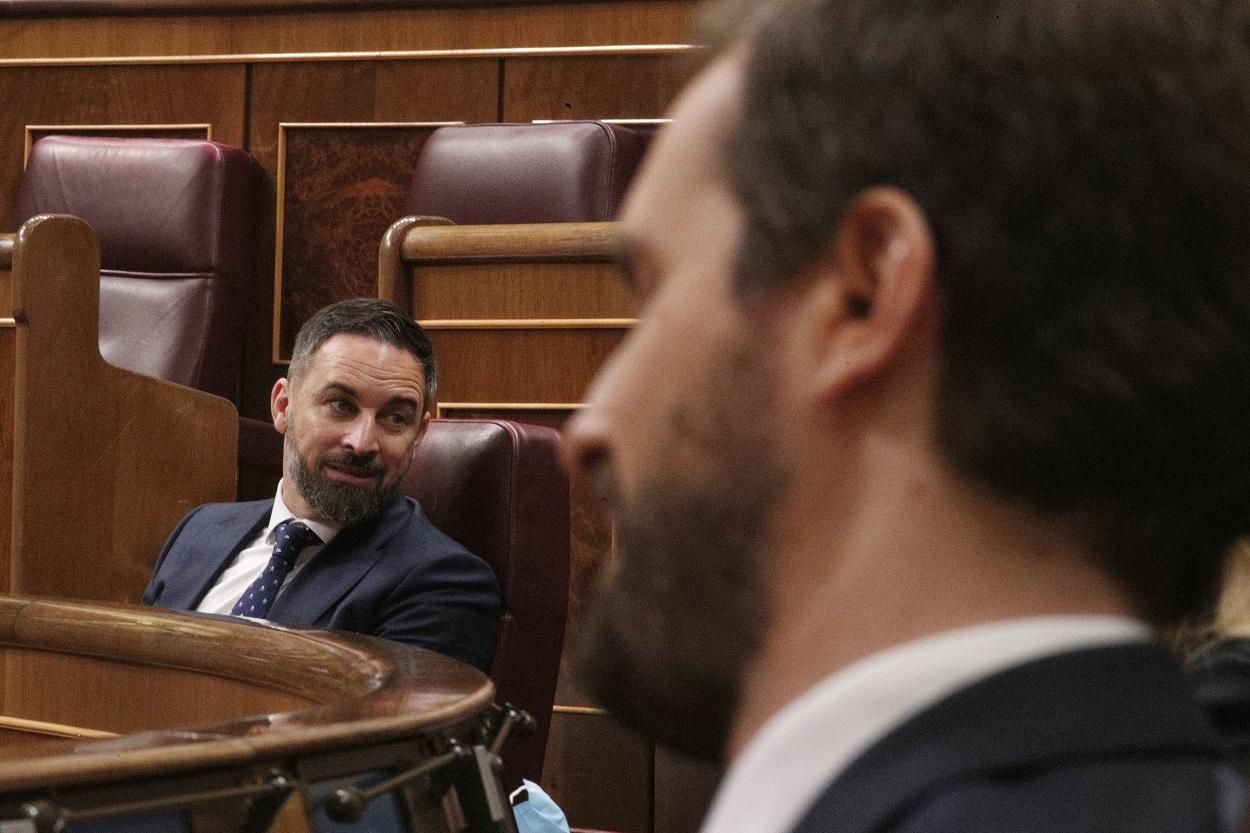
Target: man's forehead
{"x":689,"y":154}
{"x":347,"y":358}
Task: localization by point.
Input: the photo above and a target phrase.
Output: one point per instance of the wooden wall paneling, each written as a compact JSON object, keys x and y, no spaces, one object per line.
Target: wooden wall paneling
{"x":522,"y":291}
{"x":599,"y":773}
{"x":593,"y":86}
{"x":339,"y":187}
{"x":117,"y":95}
{"x":364,"y":171}
{"x":520,"y":365}
{"x":513,"y":26}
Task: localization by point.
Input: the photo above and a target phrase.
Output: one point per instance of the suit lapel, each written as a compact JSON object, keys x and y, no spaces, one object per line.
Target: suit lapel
{"x":206,"y":557}
{"x":1102,"y":701}
{"x":331,"y":575}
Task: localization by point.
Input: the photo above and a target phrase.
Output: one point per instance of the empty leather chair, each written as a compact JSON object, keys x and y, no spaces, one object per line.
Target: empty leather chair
{"x":175,"y":221}
{"x":557,"y":172}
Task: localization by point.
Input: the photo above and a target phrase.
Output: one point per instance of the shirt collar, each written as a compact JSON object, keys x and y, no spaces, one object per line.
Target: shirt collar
{"x":281,"y":513}
{"x":809,"y":742}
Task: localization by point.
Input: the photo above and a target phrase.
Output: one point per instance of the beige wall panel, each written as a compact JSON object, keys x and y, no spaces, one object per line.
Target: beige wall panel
{"x":598,"y":773}
{"x":592,"y":87}
{"x":147,"y":95}
{"x":554,"y":24}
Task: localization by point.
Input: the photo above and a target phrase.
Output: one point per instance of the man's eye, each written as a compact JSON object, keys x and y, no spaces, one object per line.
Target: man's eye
{"x":341,"y":406}
{"x":396,"y":420}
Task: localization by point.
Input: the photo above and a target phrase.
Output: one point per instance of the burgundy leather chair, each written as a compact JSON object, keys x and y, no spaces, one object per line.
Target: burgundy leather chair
{"x":499,"y":489}
{"x":557,"y":172}
{"x":174,"y":218}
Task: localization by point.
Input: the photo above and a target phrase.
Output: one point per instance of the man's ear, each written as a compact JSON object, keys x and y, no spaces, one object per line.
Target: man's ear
{"x":879,"y":285}
{"x":280,"y":404}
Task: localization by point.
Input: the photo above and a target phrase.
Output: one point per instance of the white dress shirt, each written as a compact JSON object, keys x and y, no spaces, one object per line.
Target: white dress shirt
{"x":251,"y":560}
{"x":785,"y":767}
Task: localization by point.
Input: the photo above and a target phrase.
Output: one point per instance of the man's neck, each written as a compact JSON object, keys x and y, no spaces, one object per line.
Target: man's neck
{"x":921,"y":553}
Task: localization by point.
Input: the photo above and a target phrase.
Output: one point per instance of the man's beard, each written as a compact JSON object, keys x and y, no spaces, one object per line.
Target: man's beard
{"x":342,"y":503}
{"x":684,"y":609}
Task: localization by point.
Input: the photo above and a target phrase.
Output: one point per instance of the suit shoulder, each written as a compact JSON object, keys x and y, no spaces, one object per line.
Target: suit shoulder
{"x":1176,"y":794}
{"x":217,"y":512}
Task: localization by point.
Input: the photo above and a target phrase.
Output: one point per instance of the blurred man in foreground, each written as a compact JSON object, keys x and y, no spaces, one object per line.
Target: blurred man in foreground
{"x":935,"y":406}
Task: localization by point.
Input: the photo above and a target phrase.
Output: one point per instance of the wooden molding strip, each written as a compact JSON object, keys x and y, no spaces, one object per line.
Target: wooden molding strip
{"x":528,"y":323}
{"x":508,"y":406}
{"x":582,"y":710}
{"x":6,"y":250}
{"x":59,"y":730}
{"x":369,"y":55}
{"x":429,"y":245}
{"x":128,"y":8}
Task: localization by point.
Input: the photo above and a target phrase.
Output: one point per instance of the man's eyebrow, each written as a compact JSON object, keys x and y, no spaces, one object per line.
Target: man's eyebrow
{"x":399,"y":401}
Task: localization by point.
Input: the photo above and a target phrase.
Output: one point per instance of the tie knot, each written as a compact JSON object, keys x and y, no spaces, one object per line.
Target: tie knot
{"x":290,"y":537}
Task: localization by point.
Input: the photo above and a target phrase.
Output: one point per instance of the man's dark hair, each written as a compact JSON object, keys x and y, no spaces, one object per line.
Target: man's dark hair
{"x":1085,"y":170}
{"x":379,"y":319}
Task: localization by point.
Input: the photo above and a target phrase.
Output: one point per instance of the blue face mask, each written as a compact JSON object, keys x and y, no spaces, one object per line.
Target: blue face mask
{"x":538,"y":813}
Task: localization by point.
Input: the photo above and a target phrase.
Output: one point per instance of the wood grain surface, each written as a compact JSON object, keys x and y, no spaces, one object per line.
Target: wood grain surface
{"x":105,"y":461}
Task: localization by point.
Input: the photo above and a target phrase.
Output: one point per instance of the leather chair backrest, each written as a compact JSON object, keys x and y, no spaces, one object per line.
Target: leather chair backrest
{"x":499,"y":489}
{"x":175,"y":221}
{"x":559,"y":172}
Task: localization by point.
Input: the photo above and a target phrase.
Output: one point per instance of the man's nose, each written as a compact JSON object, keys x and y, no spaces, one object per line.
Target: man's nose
{"x":362,"y":436}
{"x":586,"y":447}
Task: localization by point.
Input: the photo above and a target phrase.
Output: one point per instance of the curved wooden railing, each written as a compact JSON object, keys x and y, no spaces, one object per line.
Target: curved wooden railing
{"x":238,"y":703}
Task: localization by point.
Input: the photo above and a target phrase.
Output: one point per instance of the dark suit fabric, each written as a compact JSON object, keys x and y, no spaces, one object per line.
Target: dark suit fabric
{"x":1104,"y":740}
{"x":398,"y":578}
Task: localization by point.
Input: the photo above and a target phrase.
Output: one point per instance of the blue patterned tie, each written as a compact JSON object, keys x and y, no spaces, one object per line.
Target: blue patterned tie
{"x":290,"y":538}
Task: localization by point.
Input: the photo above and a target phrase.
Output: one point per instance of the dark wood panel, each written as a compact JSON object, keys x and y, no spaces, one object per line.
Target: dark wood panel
{"x":372,"y":186}
{"x":521,"y":290}
{"x":514,"y":26}
{"x":592,"y":87}
{"x":112,"y":95}
{"x":342,"y":188}
{"x":491,"y":366}
{"x":599,"y":773}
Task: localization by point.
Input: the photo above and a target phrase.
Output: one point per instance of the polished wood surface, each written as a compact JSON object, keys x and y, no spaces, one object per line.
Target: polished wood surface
{"x":105,"y":461}
{"x":312,"y":692}
{"x":144,"y":7}
{"x":250,"y":36}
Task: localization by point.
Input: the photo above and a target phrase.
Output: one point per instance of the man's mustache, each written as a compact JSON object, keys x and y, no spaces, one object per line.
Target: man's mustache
{"x":359,"y":464}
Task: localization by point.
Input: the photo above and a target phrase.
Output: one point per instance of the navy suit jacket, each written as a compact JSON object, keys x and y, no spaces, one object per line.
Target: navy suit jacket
{"x":399,"y":578}
{"x":1105,"y":740}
